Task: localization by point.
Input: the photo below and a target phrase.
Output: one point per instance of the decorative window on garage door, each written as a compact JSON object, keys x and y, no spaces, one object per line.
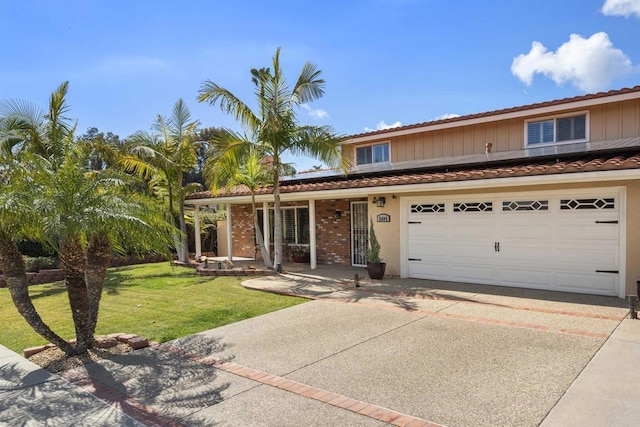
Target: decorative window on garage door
{"x":525,"y":205}
{"x":587,"y":204}
{"x":428,"y":208}
{"x":473,"y":207}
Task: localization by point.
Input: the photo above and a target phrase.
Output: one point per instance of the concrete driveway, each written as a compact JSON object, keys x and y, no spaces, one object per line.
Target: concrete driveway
{"x":401,"y":352}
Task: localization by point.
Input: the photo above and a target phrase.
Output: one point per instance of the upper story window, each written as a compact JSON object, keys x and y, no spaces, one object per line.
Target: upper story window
{"x":558,"y":129}
{"x":369,"y":154}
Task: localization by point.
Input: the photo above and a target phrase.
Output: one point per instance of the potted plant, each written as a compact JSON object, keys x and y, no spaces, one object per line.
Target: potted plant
{"x":375,"y":266}
{"x":300,"y":254}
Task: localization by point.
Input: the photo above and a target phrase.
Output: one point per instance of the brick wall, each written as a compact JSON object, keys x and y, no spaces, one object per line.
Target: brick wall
{"x":333,"y":236}
{"x":242,"y":232}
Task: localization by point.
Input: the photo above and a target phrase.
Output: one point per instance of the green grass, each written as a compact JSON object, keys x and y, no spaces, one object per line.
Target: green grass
{"x":157,"y":301}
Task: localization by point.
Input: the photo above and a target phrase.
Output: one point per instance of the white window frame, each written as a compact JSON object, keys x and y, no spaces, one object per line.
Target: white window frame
{"x":295,"y":222}
{"x":555,"y":129}
{"x":355,"y":153}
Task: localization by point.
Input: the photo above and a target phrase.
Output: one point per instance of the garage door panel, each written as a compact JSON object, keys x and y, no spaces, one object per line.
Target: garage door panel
{"x":602,"y":284}
{"x":521,"y":239}
{"x":526,"y":231}
{"x":524,"y":278}
{"x":474,"y":273}
{"x":588,"y":231}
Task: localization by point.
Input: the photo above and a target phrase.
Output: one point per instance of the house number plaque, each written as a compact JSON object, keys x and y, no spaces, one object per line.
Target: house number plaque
{"x":383,"y":217}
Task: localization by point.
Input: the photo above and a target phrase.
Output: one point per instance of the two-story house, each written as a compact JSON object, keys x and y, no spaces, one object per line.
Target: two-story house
{"x":543,"y":196}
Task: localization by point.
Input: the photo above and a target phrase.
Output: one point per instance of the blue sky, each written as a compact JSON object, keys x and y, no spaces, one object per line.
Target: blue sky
{"x":386,"y":62}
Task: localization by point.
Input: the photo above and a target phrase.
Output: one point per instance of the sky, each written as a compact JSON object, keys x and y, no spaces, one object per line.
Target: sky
{"x":386,"y":63}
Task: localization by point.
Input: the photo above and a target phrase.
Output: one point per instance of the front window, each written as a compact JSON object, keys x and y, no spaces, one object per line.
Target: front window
{"x":561,"y":129}
{"x":369,"y":154}
{"x":295,"y":224}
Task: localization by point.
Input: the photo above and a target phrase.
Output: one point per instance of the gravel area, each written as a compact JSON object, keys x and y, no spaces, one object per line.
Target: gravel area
{"x":55,"y":360}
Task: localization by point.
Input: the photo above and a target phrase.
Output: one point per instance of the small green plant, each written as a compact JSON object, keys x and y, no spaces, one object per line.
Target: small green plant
{"x":373,"y":251}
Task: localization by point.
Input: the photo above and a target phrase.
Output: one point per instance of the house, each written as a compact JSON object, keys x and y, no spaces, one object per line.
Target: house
{"x":543,"y":196}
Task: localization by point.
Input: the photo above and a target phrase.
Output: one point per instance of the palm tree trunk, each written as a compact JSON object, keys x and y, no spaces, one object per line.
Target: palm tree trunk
{"x":266,"y":258}
{"x":183,"y":251}
{"x":73,"y":263}
{"x":12,"y":265}
{"x":98,"y":256}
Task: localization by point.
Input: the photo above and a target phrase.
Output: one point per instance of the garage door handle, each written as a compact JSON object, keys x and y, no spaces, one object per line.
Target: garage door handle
{"x":607,"y":271}
{"x":415,"y":259}
{"x":496,"y":246}
{"x":606,"y":222}
{"x":415,"y":222}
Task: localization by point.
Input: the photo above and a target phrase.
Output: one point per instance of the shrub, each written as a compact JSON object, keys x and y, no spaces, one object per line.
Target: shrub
{"x":35,"y":264}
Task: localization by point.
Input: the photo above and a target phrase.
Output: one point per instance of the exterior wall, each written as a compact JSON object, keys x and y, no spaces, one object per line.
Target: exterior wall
{"x":606,"y":122}
{"x":633,"y":236}
{"x":242,"y":233}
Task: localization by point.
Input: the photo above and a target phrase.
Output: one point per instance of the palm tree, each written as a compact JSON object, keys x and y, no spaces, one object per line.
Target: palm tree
{"x":249,"y":171}
{"x":167,"y":154}
{"x":50,"y":196}
{"x":275,"y":130}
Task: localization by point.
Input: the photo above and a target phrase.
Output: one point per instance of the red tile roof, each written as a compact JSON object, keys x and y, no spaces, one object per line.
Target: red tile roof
{"x":588,"y":164}
{"x":503,"y":111}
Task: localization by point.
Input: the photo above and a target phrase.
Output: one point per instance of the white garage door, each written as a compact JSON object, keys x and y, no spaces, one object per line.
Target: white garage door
{"x":549,"y":241}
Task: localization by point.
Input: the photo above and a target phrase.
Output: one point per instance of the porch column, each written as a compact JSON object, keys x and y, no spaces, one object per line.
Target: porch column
{"x":229,"y":236}
{"x":312,"y":234}
{"x":196,"y":227}
{"x":266,"y":227}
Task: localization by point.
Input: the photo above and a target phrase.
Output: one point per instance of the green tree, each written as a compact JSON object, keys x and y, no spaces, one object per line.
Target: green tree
{"x":249,"y":171}
{"x":274,"y":130}
{"x":51,"y":196}
{"x":164,"y":156}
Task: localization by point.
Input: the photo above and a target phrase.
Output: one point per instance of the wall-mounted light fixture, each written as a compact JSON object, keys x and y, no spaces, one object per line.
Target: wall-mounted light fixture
{"x":379,"y":201}
{"x":337,"y":214}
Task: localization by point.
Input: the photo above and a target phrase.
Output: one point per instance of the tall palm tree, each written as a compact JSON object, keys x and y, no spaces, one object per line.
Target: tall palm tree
{"x":81,"y":214}
{"x":166,"y":154}
{"x":275,"y":130}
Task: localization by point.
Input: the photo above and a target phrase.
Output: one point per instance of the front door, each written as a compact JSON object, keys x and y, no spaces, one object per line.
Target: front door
{"x":359,"y":233}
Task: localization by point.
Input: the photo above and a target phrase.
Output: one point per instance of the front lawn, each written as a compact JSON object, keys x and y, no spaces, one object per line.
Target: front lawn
{"x":157,"y":301}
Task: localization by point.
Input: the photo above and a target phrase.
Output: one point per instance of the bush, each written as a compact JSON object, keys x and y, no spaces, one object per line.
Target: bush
{"x":35,"y":264}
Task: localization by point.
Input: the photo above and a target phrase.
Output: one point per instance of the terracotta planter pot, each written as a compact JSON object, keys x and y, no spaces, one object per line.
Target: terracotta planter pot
{"x":301,"y":258}
{"x":376,"y":271}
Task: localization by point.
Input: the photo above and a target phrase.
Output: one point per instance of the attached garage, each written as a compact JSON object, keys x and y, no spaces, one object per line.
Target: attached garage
{"x":557,"y":240}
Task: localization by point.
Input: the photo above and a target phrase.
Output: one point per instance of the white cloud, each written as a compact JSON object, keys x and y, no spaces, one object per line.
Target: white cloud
{"x":447,"y":116}
{"x":383,"y":126}
{"x":589,"y":64}
{"x":316,"y":114}
{"x":624,"y":8}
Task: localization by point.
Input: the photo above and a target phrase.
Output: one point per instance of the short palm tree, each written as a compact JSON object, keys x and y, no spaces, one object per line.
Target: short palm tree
{"x":164,"y":156}
{"x":52,"y":197}
{"x":274,"y":130}
{"x":249,"y":171}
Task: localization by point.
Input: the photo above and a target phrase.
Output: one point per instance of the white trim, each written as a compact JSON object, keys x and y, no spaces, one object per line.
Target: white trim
{"x":619,"y":191}
{"x":229,"y":234}
{"x":622,"y":272}
{"x":196,"y":230}
{"x":265,"y":226}
{"x":555,"y":129}
{"x":373,"y":144}
{"x":312,"y":235}
{"x":566,"y":178}
{"x":551,"y":109}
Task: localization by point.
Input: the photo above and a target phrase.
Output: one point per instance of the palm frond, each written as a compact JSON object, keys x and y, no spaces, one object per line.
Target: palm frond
{"x":229,"y":103}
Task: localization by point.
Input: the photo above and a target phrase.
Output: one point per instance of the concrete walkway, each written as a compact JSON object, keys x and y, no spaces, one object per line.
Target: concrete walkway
{"x":400,"y":352}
